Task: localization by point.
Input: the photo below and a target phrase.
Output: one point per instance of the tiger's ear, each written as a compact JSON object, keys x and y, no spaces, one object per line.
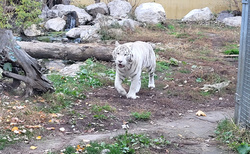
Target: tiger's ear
{"x":117,"y":43}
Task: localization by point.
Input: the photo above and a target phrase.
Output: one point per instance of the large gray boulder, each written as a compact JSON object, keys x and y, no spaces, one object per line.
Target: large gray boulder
{"x":204,"y":14}
{"x":44,"y":15}
{"x":129,"y":24}
{"x":96,"y":8}
{"x":233,"y":21}
{"x":32,"y":31}
{"x":223,"y":15}
{"x":56,"y":24}
{"x":151,"y":13}
{"x":52,"y":14}
{"x":104,"y":21}
{"x":76,"y":32}
{"x":83,"y":16}
{"x":90,"y":34}
{"x":109,"y":21}
{"x":119,"y":8}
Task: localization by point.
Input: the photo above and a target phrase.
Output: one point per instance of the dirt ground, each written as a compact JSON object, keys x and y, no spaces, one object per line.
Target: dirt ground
{"x":176,"y":98}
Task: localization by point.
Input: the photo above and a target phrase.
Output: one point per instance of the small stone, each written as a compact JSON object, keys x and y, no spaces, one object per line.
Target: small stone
{"x":105,"y":151}
{"x":86,"y":141}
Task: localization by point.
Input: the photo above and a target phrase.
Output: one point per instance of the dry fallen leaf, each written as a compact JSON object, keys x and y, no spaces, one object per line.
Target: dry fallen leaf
{"x":53,"y":115}
{"x":50,"y":128}
{"x":14,"y":129}
{"x":79,"y":149}
{"x":200,"y":113}
{"x":180,"y":135}
{"x":18,"y":107}
{"x":35,"y":126}
{"x":33,"y":147}
{"x":40,"y":99}
{"x":38,"y":137}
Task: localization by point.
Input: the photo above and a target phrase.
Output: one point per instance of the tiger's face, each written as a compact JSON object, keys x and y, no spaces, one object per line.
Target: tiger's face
{"x":122,"y":56}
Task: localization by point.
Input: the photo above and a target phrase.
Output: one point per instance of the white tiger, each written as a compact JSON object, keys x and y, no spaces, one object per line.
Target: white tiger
{"x":130,"y":58}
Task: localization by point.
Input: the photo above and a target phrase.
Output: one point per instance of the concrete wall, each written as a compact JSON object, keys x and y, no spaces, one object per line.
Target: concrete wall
{"x":177,"y":9}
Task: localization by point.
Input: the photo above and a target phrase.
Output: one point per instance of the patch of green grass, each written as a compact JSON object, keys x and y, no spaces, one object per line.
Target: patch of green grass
{"x":182,"y":35}
{"x":199,"y":80}
{"x":185,"y":71}
{"x":236,"y":138}
{"x":141,"y":116}
{"x":56,"y":103}
{"x":100,"y":116}
{"x":126,"y":143}
{"x":157,"y":27}
{"x":157,"y":50}
{"x":231,"y":52}
{"x":3,"y":142}
{"x":207,"y":93}
{"x":162,"y":66}
{"x":231,"y":49}
{"x":68,"y":88}
{"x":160,"y":26}
{"x":88,"y":77}
{"x":171,"y":27}
{"x":98,"y":108}
{"x":213,"y":78}
{"x":70,"y":150}
{"x":174,"y":61}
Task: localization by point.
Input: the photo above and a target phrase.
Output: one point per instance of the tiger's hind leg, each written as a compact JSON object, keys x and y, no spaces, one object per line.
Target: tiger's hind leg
{"x":151,"y":81}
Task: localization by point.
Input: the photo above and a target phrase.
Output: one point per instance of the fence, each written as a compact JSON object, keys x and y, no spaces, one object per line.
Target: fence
{"x":242,"y":107}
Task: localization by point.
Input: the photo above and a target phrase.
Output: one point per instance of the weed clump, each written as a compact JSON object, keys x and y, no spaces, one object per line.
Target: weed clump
{"x":236,"y":138}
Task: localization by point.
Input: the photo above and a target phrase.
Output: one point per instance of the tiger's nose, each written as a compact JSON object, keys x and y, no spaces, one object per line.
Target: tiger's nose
{"x":119,"y":61}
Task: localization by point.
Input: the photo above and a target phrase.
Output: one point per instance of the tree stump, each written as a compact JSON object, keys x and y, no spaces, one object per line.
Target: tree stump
{"x":11,"y":52}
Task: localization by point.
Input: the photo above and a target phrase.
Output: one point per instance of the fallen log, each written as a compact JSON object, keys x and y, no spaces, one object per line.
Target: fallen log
{"x":12,"y":53}
{"x":68,"y":51}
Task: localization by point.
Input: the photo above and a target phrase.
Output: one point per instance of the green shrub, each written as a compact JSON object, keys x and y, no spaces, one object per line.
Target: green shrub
{"x":231,"y":49}
{"x":141,"y":116}
{"x":26,"y":13}
{"x":236,"y":138}
{"x":231,"y":52}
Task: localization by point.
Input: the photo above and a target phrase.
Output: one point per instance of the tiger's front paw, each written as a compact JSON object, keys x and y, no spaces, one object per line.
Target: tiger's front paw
{"x":151,"y":86}
{"x":133,"y":96}
{"x":122,"y":92}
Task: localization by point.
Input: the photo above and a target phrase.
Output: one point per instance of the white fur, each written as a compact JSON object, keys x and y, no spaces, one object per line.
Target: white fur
{"x":130,"y":59}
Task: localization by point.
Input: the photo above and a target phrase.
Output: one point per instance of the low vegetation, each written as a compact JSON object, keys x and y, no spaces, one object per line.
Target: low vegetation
{"x":126,"y":143}
{"x":232,"y":49}
{"x":232,"y":135}
{"x":141,"y":116}
{"x":26,"y":13}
